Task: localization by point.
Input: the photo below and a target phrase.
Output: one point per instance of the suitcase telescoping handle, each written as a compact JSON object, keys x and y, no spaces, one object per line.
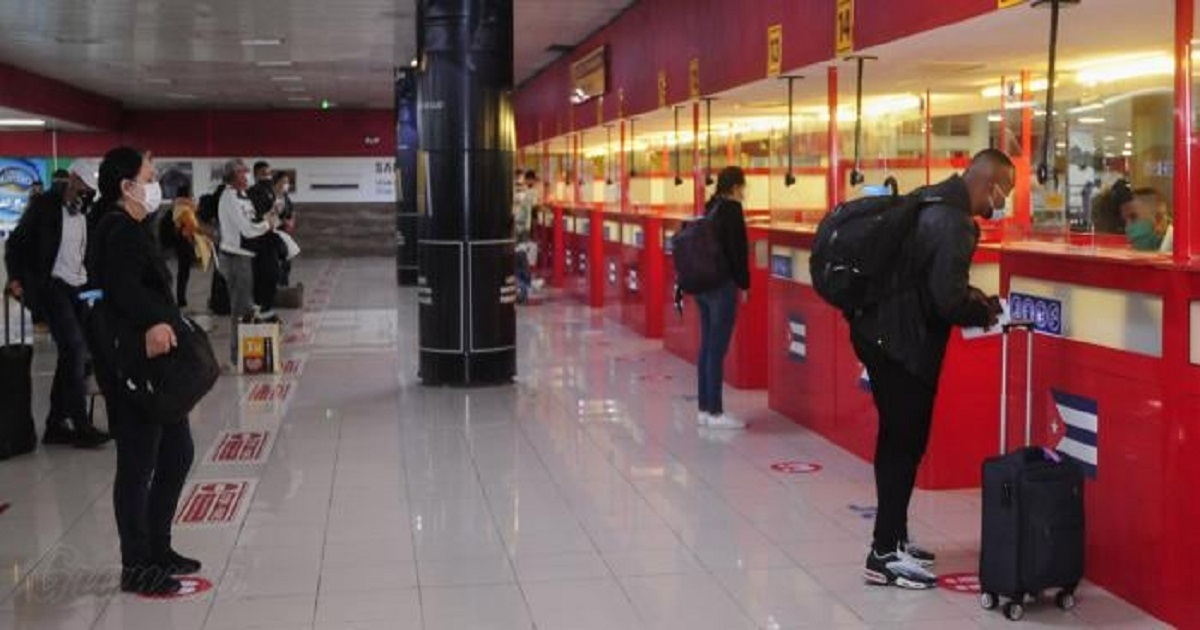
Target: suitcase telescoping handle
{"x":20,"y":315}
{"x":1029,"y":329}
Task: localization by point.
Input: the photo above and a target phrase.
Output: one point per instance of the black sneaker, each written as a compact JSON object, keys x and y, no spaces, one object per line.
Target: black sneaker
{"x":918,"y":554}
{"x":151,"y":581}
{"x":896,"y":569}
{"x":90,"y":437}
{"x":175,"y":564}
{"x":58,"y":433}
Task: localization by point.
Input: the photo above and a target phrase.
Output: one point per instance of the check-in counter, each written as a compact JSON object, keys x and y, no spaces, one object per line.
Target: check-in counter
{"x":642,"y":275}
{"x":746,"y":361}
{"x":584,"y":254}
{"x":1116,"y":383}
{"x":817,"y":380}
{"x":613,"y":264}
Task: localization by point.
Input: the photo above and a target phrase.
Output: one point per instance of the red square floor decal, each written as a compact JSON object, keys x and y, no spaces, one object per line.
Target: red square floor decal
{"x":215,"y":502}
{"x":241,"y":447}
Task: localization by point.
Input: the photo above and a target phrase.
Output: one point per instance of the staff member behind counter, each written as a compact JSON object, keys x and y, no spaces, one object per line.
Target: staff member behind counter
{"x":1140,"y":214}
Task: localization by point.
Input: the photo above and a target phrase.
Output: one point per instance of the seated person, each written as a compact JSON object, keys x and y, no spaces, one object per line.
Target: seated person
{"x":1147,"y":221}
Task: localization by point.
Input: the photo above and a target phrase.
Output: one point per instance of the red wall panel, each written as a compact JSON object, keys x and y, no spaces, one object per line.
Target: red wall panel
{"x":881,"y":21}
{"x":40,"y":96}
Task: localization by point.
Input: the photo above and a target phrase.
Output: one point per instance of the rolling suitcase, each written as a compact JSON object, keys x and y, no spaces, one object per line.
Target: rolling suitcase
{"x":17,"y":433}
{"x":1033,"y":515}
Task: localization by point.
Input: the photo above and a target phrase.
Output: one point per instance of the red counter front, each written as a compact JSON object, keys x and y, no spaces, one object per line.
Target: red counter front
{"x":1120,"y":388}
{"x":584,"y":255}
{"x":642,"y":275}
{"x":816,"y":379}
{"x":613,"y":265}
{"x":746,"y":363}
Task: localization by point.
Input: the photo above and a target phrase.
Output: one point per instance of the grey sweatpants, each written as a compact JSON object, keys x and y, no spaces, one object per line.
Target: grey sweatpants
{"x":239,"y":276}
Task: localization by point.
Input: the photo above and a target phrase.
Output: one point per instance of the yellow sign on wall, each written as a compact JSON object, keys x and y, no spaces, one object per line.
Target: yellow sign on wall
{"x":662,"y":88}
{"x":775,"y":50}
{"x":694,"y":79}
{"x":844,"y":27}
{"x":1004,"y":4}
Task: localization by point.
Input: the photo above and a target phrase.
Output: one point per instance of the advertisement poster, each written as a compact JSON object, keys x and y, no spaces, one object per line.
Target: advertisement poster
{"x":17,"y":177}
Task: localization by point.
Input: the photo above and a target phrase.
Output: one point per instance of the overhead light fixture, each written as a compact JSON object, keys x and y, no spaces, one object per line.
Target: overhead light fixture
{"x":157,"y":81}
{"x":1082,"y":109}
{"x":326,"y":103}
{"x":179,"y":96}
{"x":265,"y":41}
{"x":414,"y":63}
{"x":300,"y":99}
{"x":1091,"y":120}
{"x":1127,"y":153}
{"x":1037,"y":85}
{"x":892,"y":105}
{"x":1121,"y":69}
{"x":289,"y":78}
{"x":1129,"y":145}
{"x":995,"y":118}
{"x":22,"y":122}
{"x":293,"y":88}
{"x":273,"y":64}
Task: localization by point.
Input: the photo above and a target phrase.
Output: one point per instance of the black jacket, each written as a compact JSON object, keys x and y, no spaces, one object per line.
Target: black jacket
{"x":33,"y":246}
{"x":931,"y":290}
{"x":262,"y":195}
{"x":730,"y":225}
{"x":124,"y":264}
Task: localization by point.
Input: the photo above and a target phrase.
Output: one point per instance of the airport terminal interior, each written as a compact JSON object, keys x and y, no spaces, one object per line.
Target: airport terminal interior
{"x":431,"y":252}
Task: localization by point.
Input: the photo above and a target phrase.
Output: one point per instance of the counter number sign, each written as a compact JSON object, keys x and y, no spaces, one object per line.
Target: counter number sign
{"x":844,"y":27}
{"x":694,"y":78}
{"x":775,"y":50}
{"x":1004,"y":4}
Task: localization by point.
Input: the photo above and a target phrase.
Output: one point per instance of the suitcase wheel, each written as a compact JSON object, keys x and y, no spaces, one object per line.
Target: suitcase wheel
{"x":989,"y":601}
{"x":1065,"y":599}
{"x":1014,"y":611}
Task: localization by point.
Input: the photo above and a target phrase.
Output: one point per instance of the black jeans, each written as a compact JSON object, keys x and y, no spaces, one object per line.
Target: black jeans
{"x":718,"y":314}
{"x":152,"y":464}
{"x":68,"y":394}
{"x":266,"y":250}
{"x":905,"y":406}
{"x":185,"y":256}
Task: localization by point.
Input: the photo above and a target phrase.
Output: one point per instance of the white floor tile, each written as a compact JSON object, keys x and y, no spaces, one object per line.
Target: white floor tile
{"x":475,"y":608}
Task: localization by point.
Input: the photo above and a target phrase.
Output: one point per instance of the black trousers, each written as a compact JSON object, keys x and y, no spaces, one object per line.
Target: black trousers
{"x":267,"y":257}
{"x":905,"y":406}
{"x":152,"y":464}
{"x":185,"y":256}
{"x":68,"y":394}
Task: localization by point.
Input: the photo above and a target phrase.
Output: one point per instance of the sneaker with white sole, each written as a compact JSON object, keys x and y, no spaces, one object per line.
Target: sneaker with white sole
{"x":724,"y":421}
{"x":896,"y":569}
{"x":702,"y":418}
{"x":917,"y":553}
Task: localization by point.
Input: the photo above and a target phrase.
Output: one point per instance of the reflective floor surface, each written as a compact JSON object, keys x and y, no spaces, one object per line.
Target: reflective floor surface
{"x":344,"y":495}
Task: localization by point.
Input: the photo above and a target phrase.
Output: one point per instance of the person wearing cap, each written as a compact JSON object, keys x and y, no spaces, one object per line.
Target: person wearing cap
{"x":45,"y":261}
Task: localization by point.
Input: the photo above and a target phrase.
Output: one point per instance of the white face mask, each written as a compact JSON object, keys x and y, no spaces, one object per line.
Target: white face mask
{"x":287,"y":188}
{"x":152,"y":197}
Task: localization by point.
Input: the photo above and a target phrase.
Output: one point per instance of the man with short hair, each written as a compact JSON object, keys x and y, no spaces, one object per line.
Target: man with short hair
{"x":237,"y":221}
{"x":45,"y":260}
{"x":902,"y":342}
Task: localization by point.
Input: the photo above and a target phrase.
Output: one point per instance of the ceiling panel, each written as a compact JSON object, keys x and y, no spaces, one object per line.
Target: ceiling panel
{"x":188,"y":54}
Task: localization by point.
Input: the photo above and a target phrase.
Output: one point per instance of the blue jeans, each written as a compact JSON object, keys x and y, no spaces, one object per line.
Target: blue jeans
{"x":718,"y":313}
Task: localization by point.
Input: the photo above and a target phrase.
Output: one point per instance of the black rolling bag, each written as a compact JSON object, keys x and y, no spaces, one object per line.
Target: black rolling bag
{"x":17,"y":433}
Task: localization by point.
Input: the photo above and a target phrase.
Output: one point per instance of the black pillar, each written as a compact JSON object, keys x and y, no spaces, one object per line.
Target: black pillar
{"x":406,"y":177}
{"x":467,"y":290}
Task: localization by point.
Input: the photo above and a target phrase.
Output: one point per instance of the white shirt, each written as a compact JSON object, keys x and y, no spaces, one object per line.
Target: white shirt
{"x":68,"y":264}
{"x":236,"y":216}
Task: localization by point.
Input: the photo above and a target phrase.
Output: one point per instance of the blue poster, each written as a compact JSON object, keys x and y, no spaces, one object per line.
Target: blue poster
{"x":17,"y":177}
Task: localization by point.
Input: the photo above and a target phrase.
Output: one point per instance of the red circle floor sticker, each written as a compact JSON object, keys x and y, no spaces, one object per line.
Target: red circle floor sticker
{"x":960,"y":583}
{"x":192,"y":586}
{"x":795,"y":468}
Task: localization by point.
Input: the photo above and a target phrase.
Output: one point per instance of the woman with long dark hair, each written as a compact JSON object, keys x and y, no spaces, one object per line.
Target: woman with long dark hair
{"x":718,"y":308}
{"x":153,"y":454}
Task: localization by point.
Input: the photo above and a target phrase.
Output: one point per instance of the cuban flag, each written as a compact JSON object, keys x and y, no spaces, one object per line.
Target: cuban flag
{"x":864,"y":380}
{"x":797,"y":339}
{"x":1080,"y":430}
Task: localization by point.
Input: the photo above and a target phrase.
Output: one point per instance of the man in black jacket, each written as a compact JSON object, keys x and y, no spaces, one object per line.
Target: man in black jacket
{"x":45,"y":261}
{"x":903,"y":341}
{"x":265,"y":247}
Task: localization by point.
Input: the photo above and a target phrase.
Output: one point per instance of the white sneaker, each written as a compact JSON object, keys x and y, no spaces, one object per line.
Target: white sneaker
{"x":703,"y":418}
{"x":725,"y":421}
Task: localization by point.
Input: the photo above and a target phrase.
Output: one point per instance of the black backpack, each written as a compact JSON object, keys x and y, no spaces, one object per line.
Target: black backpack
{"x":700,"y":264}
{"x":858,"y":245}
{"x":209,"y":204}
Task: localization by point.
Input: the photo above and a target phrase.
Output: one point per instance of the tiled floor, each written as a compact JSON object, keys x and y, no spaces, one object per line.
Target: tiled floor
{"x":583,"y":497}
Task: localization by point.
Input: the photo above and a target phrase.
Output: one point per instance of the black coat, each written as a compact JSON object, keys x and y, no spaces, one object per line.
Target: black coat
{"x":123,"y":262}
{"x":33,"y":246}
{"x":932,"y":287}
{"x":262,"y":195}
{"x":729,"y":223}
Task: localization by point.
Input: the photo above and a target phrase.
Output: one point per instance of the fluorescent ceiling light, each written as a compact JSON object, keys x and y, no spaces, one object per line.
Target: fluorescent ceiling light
{"x":1091,"y":120}
{"x":300,"y":99}
{"x":1037,"y":85}
{"x":290,"y":78}
{"x":1082,"y":109}
{"x":180,"y":96}
{"x":1127,"y":153}
{"x":22,"y":122}
{"x":157,"y":81}
{"x":273,"y":64}
{"x":262,"y":41}
{"x":1121,"y":69}
{"x":995,"y":118}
